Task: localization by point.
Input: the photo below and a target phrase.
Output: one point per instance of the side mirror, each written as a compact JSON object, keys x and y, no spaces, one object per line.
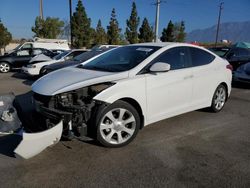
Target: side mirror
{"x":160,"y":67}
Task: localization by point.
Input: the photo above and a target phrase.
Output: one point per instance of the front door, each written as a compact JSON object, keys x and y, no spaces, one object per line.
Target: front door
{"x":169,"y":93}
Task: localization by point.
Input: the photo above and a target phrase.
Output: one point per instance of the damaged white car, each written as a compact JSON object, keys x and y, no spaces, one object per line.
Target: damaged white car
{"x":114,"y":95}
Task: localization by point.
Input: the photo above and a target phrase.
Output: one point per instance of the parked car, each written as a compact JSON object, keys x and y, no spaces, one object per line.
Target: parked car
{"x":238,"y":56}
{"x":35,"y":68}
{"x":242,"y":74}
{"x":220,"y":51}
{"x":114,"y":95}
{"x":50,"y":44}
{"x":77,"y":60}
{"x":19,"y":58}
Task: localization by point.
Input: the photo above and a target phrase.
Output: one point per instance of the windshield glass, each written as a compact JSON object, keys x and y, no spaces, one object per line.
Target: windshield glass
{"x":87,"y":55}
{"x":59,"y":56}
{"x":16,"y":48}
{"x":121,"y":59}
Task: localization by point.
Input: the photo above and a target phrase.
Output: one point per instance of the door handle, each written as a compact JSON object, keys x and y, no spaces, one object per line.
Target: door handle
{"x":188,"y":77}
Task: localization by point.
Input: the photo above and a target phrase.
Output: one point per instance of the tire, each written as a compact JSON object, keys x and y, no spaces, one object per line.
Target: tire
{"x":4,"y":67}
{"x":42,"y":71}
{"x":117,"y":124}
{"x":219,"y":99}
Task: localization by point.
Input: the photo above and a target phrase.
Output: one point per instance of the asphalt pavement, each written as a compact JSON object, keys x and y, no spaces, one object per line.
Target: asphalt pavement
{"x":197,"y":149}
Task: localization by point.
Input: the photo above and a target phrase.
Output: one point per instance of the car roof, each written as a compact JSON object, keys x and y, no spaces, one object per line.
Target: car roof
{"x":159,"y":44}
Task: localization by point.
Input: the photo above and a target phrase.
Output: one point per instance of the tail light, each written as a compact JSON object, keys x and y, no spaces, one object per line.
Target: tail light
{"x":230,"y":67}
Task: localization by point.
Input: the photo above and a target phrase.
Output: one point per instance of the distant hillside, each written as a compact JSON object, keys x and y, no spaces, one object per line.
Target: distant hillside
{"x":233,"y":31}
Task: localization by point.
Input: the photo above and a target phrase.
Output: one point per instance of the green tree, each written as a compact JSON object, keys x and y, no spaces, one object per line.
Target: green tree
{"x":100,"y":34}
{"x":132,"y":26}
{"x":49,"y":28}
{"x":146,"y":33}
{"x":168,"y":33}
{"x":5,"y":36}
{"x":180,"y":32}
{"x":81,"y":30}
{"x":113,"y":30}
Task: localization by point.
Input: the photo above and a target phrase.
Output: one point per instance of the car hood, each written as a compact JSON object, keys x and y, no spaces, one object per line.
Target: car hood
{"x":72,"y":78}
{"x":60,"y":65}
{"x":40,"y":58}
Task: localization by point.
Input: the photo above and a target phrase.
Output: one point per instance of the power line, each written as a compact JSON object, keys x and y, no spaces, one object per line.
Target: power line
{"x":218,"y":25}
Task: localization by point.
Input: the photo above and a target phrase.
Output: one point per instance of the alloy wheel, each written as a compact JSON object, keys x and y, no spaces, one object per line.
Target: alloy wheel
{"x":4,"y":67}
{"x":117,"y":126}
{"x":220,"y":98}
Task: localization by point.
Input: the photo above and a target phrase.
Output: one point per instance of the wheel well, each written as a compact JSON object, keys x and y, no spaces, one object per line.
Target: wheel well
{"x":225,"y":85}
{"x":137,"y":106}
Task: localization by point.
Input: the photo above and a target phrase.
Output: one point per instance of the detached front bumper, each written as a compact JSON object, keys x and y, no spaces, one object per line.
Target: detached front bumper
{"x":34,"y":143}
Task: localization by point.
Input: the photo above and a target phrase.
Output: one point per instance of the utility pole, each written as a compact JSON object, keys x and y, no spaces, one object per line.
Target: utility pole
{"x":41,"y":9}
{"x":158,"y":2}
{"x":70,"y":21}
{"x":218,"y":25}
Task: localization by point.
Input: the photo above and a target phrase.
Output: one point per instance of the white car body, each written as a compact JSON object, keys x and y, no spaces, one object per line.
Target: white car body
{"x":159,"y":95}
{"x":180,"y":92}
{"x":34,"y":69}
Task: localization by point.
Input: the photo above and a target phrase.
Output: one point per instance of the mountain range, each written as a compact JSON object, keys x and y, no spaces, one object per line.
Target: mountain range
{"x":232,"y":31}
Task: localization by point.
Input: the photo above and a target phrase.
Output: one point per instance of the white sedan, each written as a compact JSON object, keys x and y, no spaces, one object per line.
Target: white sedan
{"x":35,"y":68}
{"x":114,"y":95}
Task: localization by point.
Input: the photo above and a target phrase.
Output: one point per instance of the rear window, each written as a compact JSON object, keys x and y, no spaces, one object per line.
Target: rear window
{"x":200,"y":57}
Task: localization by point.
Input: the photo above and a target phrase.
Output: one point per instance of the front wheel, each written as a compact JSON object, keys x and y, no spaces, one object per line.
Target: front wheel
{"x":219,"y":98}
{"x":117,"y":124}
{"x":4,"y":67}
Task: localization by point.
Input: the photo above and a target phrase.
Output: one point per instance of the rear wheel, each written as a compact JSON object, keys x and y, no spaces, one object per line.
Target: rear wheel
{"x":4,"y":67}
{"x":117,"y":125}
{"x":219,"y":98}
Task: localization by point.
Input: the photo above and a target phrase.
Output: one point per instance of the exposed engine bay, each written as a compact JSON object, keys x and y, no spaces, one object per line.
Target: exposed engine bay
{"x":74,"y":108}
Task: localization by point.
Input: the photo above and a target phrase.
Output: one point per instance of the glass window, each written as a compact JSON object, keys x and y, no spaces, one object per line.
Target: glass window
{"x":25,"y":52}
{"x":176,"y":57}
{"x":200,"y":57}
{"x":28,"y":45}
{"x":74,"y":54}
{"x":59,"y":56}
{"x":121,"y":59}
{"x":37,"y":51}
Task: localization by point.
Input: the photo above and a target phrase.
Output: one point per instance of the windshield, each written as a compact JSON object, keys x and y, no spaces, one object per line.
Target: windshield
{"x":87,"y":55}
{"x":121,"y":59}
{"x":59,"y":56}
{"x":16,"y":48}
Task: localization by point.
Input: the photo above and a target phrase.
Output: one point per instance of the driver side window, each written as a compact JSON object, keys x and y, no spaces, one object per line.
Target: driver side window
{"x":176,"y":57}
{"x":25,"y":52}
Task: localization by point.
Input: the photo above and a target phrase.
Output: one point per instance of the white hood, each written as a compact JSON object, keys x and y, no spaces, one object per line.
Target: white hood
{"x":72,"y":78}
{"x":40,"y":57}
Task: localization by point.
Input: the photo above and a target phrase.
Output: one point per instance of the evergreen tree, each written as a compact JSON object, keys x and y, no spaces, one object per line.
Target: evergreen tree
{"x":100,"y":34}
{"x":146,"y":33}
{"x":132,"y":26}
{"x":49,"y":28}
{"x":113,"y":32}
{"x":81,"y":31}
{"x":5,"y":36}
{"x":181,"y":35}
{"x":168,"y":33}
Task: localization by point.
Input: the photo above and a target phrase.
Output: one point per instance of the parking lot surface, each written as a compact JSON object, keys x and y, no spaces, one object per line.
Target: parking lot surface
{"x":197,"y":149}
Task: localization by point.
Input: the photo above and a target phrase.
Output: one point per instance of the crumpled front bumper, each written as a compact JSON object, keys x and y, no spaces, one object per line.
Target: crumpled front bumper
{"x":34,"y":143}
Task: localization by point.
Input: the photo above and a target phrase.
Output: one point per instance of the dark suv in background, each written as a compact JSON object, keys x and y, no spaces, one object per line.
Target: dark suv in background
{"x":19,"y":58}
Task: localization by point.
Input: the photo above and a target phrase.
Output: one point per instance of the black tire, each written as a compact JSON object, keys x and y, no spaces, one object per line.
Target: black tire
{"x":42,"y":71}
{"x":5,"y":67}
{"x":214,"y":106}
{"x":130,"y":113}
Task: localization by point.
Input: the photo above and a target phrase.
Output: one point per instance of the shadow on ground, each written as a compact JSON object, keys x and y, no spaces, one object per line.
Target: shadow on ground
{"x":27,"y":80}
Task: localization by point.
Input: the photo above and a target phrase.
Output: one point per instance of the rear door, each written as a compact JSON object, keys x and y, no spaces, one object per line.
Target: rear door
{"x":204,"y":76}
{"x":22,"y":57}
{"x":169,"y":93}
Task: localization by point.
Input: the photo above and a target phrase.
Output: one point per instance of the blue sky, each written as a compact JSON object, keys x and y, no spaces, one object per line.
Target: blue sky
{"x":19,"y":15}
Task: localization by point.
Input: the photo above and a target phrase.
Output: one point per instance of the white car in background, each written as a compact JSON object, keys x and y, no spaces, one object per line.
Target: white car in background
{"x":114,"y":95}
{"x":35,"y":68}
